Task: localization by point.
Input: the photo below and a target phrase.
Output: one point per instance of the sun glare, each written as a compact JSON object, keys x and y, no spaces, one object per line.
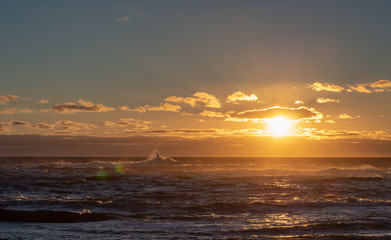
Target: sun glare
{"x":279,"y":126}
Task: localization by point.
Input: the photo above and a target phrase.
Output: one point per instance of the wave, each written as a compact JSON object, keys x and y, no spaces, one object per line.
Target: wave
{"x":156,"y":159}
{"x":46,"y":216}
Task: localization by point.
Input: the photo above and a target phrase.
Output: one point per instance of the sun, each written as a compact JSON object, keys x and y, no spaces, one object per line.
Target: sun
{"x":279,"y":126}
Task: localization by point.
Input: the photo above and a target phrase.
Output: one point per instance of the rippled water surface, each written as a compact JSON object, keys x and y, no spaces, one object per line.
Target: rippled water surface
{"x":195,"y":198}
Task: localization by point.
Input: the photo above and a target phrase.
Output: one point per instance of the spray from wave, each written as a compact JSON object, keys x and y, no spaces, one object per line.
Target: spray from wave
{"x":156,"y":159}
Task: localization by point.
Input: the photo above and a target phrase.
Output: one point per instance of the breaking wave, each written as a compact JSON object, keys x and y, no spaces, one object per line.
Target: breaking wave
{"x":156,"y":159}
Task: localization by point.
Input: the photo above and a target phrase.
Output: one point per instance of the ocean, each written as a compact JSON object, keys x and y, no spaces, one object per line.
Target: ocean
{"x":194,"y":198}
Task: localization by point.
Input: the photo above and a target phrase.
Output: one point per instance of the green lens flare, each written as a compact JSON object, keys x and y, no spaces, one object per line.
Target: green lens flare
{"x":119,"y":168}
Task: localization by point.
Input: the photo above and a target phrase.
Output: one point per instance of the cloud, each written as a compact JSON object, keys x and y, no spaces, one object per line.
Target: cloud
{"x":380,"y":84}
{"x":207,"y":113}
{"x":83,"y":106}
{"x":71,"y":125}
{"x":330,"y":121}
{"x":8,"y":126}
{"x":138,"y":109}
{"x":166,"y":107}
{"x":345,"y":116}
{"x":5,"y":126}
{"x":185,"y":131}
{"x":299,"y":102}
{"x":123,"y":122}
{"x":15,"y":110}
{"x":122,"y":19}
{"x":327,"y":100}
{"x":7,"y":98}
{"x":62,"y":126}
{"x":126,"y":18}
{"x":360,"y":88}
{"x":291,"y":113}
{"x":124,"y":108}
{"x":240,"y":96}
{"x":163,"y":107}
{"x":21,"y":123}
{"x":199,"y":97}
{"x":371,"y":87}
{"x":43,"y":125}
{"x":43,"y":101}
{"x":129,"y":122}
{"x":317,"y":86}
{"x":66,"y":127}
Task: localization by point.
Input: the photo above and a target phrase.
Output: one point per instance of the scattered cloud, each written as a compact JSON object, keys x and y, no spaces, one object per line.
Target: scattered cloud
{"x":292,"y":113}
{"x":207,"y":113}
{"x":124,"y":108}
{"x":72,"y":126}
{"x":43,"y":101}
{"x":199,"y":97}
{"x":330,"y":121}
{"x":317,"y":86}
{"x":371,"y":87}
{"x":359,"y":88}
{"x":15,"y":110}
{"x":124,"y":122}
{"x":130,"y":122}
{"x":381,"y":84}
{"x":163,"y":107}
{"x":240,"y":96}
{"x":133,"y":13}
{"x":122,"y":19}
{"x":64,"y":126}
{"x":7,"y":98}
{"x":138,"y":109}
{"x":82,"y":106}
{"x":327,"y":100}
{"x":20,"y":123}
{"x":5,"y":126}
{"x":299,"y":102}
{"x":345,"y":116}
{"x":43,"y":125}
{"x":187,"y":133}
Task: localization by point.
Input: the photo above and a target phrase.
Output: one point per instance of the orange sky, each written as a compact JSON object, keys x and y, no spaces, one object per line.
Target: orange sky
{"x":195,"y":78}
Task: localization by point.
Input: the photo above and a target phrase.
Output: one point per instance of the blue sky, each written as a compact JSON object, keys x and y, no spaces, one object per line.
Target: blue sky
{"x":72,"y":48}
{"x":137,"y":53}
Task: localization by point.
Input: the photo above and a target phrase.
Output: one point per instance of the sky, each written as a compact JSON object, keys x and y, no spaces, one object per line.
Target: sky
{"x":195,"y":78}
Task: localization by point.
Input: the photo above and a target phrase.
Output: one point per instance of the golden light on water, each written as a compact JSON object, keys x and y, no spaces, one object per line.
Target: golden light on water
{"x":279,"y":126}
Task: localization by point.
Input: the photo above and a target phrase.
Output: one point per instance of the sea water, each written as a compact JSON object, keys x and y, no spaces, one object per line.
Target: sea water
{"x":195,"y":198}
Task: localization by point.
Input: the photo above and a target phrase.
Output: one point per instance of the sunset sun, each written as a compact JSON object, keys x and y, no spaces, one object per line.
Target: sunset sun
{"x":279,"y":126}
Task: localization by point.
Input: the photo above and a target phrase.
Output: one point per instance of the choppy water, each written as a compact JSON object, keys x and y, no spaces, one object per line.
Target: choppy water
{"x":195,"y":198}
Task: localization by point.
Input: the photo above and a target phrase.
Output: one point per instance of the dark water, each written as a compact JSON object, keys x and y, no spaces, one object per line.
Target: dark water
{"x":196,"y":198}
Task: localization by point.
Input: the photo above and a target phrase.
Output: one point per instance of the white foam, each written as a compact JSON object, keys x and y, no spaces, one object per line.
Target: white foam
{"x":156,"y":159}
